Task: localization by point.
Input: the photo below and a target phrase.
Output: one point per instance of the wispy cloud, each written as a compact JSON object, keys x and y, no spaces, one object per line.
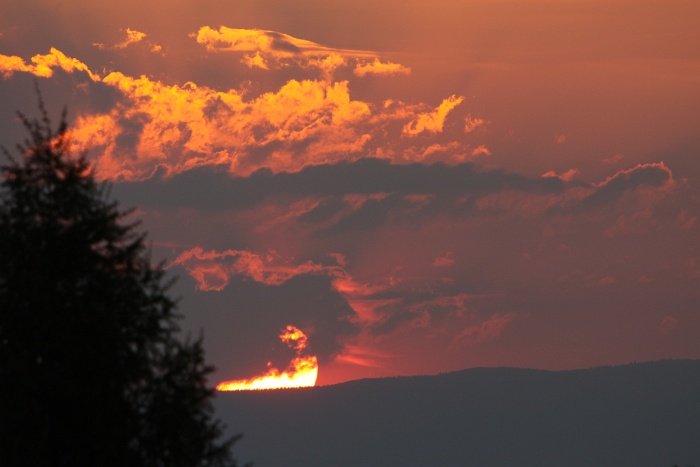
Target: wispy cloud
{"x":214,"y":269}
{"x":132,"y":37}
{"x":379,"y":68}
{"x":276,"y":44}
{"x":489,"y":329}
{"x":432,"y":122}
{"x":266,"y":50}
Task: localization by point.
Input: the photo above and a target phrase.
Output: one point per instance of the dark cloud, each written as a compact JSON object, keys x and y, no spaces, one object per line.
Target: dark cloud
{"x":642,"y":176}
{"x":372,"y":214}
{"x":130,"y":135}
{"x":216,"y":109}
{"x":406,"y":194}
{"x":324,"y":211}
{"x":648,"y":175}
{"x":74,"y":91}
{"x":208,"y":188}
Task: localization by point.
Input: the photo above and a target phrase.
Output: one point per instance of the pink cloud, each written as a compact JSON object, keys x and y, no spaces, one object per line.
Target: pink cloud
{"x":213,"y":270}
{"x":487,"y":330}
{"x":445,"y":260}
{"x":566,"y":176}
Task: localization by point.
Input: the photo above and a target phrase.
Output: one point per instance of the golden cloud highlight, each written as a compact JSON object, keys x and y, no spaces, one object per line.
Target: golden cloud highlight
{"x":213,"y":270}
{"x":378,"y":68}
{"x":654,"y":173}
{"x":271,"y":49}
{"x":182,"y":127}
{"x":432,"y":122}
{"x":274,"y":43}
{"x":156,"y":127}
{"x":132,"y":37}
{"x":255,"y":61}
{"x":43,"y":65}
{"x":472,"y":123}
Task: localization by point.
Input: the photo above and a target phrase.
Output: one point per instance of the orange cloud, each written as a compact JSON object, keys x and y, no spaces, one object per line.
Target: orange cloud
{"x":267,"y":49}
{"x":566,"y":176}
{"x":481,"y":150}
{"x":378,"y":68}
{"x":174,"y":128}
{"x":43,"y":65}
{"x":472,"y":123}
{"x":182,"y":127}
{"x":255,"y":61}
{"x":132,"y":37}
{"x":245,"y":40}
{"x":327,"y":64}
{"x":436,"y":152}
{"x":655,"y":173}
{"x":272,"y":42}
{"x":213,"y":270}
{"x":434,"y":121}
{"x":9,"y":64}
{"x":262,"y":47}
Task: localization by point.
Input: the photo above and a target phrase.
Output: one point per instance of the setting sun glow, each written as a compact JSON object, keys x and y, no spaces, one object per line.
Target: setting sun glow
{"x":301,"y":372}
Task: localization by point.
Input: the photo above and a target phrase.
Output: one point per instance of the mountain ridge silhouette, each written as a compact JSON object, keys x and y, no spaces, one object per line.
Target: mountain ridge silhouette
{"x":637,"y":415}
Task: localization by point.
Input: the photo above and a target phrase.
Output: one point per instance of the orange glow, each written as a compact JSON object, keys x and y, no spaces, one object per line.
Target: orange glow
{"x":434,"y":121}
{"x":212,"y":270}
{"x":294,"y":338}
{"x":378,"y":68}
{"x":42,"y":65}
{"x":302,"y":371}
{"x":269,"y":42}
{"x":179,"y":127}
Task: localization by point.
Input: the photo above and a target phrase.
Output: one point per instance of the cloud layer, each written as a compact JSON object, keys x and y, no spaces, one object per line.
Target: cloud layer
{"x":437,"y":192}
{"x":173,"y":128}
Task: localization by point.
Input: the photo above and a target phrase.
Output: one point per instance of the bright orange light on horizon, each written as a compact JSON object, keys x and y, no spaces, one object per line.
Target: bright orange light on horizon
{"x":302,"y":371}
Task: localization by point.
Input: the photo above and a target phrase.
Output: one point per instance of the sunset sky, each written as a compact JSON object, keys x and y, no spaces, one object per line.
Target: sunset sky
{"x":419,"y":187}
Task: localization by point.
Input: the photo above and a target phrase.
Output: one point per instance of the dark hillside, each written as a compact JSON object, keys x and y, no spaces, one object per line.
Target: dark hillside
{"x":634,"y":415}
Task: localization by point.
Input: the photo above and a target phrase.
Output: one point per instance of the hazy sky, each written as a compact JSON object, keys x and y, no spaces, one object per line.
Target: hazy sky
{"x":419,"y":186}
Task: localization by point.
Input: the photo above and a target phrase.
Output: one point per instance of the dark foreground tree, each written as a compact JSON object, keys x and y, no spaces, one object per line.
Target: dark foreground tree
{"x":92,"y":371}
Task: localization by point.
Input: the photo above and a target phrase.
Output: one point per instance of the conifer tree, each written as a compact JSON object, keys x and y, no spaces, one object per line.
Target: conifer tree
{"x":92,"y":368}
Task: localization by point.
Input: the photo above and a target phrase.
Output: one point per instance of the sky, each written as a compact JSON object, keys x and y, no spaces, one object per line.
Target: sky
{"x":419,"y":187}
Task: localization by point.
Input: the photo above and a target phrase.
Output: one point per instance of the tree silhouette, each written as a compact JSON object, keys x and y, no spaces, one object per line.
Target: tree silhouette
{"x":91,"y":368}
